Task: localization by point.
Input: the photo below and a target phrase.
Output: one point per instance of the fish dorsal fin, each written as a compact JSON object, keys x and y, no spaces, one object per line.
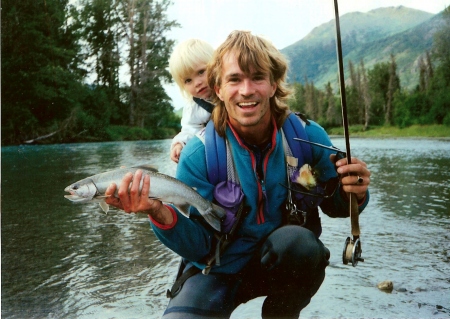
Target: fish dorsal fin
{"x":147,"y":167}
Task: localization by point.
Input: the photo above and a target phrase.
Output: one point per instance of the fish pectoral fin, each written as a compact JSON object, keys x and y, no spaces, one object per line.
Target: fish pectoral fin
{"x":104,"y":206}
{"x":183,"y":208}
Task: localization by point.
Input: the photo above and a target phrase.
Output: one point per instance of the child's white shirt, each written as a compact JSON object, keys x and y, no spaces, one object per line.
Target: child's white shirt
{"x":194,"y":119}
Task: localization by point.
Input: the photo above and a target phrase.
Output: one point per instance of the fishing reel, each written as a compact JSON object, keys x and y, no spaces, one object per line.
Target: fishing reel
{"x":352,"y":251}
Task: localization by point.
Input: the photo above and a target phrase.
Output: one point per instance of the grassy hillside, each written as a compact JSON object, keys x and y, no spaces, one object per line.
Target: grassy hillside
{"x":371,"y":36}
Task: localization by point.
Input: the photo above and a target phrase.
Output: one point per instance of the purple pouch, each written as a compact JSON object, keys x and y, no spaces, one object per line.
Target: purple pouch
{"x":229,"y":195}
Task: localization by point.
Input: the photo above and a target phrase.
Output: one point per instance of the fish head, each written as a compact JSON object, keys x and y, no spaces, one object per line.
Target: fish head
{"x":81,"y":192}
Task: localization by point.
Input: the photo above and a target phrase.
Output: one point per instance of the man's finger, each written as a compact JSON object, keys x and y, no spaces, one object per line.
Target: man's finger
{"x":111,"y":189}
{"x":123,"y":190}
{"x":134,"y":189}
{"x":145,"y":187}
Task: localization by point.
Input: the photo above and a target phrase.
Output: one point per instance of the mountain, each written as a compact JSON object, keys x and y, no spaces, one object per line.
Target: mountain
{"x":373,"y":36}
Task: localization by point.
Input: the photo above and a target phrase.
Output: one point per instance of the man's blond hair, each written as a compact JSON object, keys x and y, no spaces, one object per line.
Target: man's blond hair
{"x":259,"y":55}
{"x":186,"y":57}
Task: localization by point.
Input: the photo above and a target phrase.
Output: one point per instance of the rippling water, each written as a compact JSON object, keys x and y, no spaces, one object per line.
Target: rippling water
{"x":61,"y":260}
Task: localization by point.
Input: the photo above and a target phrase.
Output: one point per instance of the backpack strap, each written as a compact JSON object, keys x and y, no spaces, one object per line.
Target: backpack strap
{"x":208,"y":107}
{"x":295,"y":127}
{"x":181,"y":278}
{"x":216,"y":155}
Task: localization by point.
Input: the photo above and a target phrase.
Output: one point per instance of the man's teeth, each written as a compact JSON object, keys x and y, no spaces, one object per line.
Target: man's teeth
{"x":247,"y":104}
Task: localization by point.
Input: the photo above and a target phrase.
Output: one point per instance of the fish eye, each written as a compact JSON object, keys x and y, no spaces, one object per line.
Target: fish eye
{"x":75,"y":186}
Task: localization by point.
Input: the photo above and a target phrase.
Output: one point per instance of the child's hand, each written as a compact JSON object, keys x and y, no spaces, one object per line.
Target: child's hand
{"x":175,"y":152}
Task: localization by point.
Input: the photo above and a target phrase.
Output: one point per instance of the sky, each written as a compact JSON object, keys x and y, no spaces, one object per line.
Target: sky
{"x":284,"y":22}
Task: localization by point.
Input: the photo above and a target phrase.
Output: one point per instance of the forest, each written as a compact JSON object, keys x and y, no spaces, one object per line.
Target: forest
{"x":94,"y":70}
{"x":61,"y":66}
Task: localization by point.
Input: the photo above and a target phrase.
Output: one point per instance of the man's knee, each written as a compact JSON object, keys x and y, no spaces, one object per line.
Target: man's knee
{"x":294,"y":249}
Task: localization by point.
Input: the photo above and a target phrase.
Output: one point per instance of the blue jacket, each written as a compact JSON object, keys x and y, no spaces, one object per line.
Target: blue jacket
{"x":193,"y":240}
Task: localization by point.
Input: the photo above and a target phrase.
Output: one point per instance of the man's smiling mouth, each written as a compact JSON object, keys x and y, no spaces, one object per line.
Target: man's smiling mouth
{"x":247,"y":104}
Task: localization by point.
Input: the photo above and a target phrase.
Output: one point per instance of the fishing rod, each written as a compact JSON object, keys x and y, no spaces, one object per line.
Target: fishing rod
{"x":352,"y":248}
{"x":331,"y":148}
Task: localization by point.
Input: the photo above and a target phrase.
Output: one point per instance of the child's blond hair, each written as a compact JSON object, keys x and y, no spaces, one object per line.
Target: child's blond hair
{"x":184,"y":59}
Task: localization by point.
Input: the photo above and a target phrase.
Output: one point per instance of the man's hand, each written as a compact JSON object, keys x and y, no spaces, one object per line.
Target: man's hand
{"x":131,"y":199}
{"x":355,"y":177}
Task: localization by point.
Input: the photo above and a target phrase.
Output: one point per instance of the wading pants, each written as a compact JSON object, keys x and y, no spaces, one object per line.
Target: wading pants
{"x":288,"y":269}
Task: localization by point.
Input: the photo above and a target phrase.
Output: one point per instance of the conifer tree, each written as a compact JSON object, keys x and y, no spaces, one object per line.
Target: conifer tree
{"x":41,"y":71}
{"x":393,"y":86}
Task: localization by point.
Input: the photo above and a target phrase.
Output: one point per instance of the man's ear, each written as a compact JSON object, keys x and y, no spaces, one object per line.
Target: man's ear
{"x":274,"y":89}
{"x":217,"y":89}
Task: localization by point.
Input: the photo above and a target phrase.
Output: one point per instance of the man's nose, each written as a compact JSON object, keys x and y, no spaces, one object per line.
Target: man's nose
{"x":246,"y":87}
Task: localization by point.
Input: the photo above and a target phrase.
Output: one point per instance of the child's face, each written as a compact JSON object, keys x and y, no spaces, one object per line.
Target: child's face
{"x":196,"y":84}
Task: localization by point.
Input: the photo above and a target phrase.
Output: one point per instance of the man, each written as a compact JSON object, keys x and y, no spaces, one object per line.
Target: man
{"x":266,"y":257}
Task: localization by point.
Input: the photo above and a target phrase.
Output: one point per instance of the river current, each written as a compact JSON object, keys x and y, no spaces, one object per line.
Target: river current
{"x":61,"y":260}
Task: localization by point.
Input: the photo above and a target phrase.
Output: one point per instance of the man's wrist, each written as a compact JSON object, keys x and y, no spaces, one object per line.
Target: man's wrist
{"x":164,"y":218}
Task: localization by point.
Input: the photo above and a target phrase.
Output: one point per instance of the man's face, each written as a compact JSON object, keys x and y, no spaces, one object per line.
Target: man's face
{"x":246,"y":96}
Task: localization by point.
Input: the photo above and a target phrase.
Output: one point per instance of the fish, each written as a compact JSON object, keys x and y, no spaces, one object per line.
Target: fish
{"x":162,"y":187}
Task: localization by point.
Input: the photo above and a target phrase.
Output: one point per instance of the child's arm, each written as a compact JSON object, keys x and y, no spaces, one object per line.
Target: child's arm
{"x":175,"y":152}
{"x":193,"y":120}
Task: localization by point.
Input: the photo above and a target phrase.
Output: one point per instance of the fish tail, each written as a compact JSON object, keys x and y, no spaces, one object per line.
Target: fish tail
{"x":213,"y":216}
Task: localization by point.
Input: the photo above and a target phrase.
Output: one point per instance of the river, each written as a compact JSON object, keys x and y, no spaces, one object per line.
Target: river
{"x":61,"y":260}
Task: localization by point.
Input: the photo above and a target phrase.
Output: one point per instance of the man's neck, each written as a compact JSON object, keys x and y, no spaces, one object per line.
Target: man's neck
{"x":259,"y":138}
{"x":256,"y":136}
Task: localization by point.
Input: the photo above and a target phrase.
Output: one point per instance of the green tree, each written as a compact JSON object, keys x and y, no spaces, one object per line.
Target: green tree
{"x":144,"y":27}
{"x":354,"y":97}
{"x":364,"y":91}
{"x":333,"y":117}
{"x":311,"y":97}
{"x":41,"y":72}
{"x":440,"y":82}
{"x":297,"y":102}
{"x":411,"y":108}
{"x":441,"y":49}
{"x":393,"y":86}
{"x":100,"y":20}
{"x":378,"y":78}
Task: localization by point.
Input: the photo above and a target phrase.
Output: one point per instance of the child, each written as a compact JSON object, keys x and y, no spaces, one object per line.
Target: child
{"x":187,"y":64}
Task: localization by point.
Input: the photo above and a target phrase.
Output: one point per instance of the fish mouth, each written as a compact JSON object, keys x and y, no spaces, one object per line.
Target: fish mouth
{"x":75,"y":198}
